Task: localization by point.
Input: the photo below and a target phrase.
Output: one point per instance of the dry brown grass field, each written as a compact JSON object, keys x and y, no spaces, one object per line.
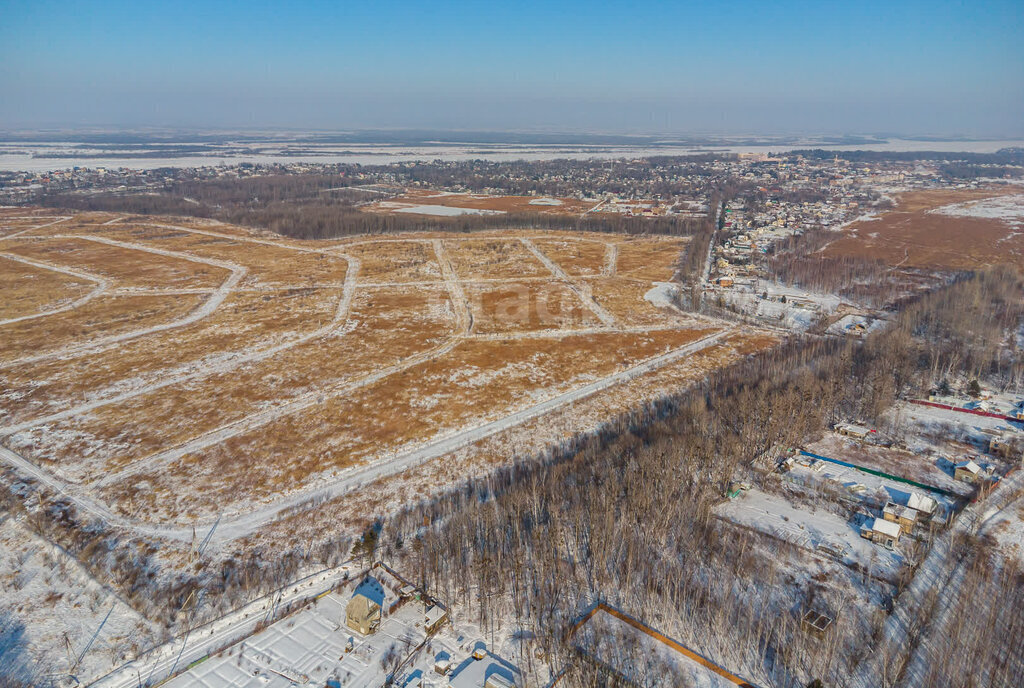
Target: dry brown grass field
{"x":917,"y":234}
{"x":219,"y":368}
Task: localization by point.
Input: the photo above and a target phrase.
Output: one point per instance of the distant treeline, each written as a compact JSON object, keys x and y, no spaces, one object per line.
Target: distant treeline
{"x":298,"y":206}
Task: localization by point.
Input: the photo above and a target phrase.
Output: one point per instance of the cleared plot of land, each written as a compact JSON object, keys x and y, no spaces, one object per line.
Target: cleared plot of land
{"x":29,"y":289}
{"x":526,"y":306}
{"x":492,"y":258}
{"x":385,"y":327}
{"x":266,"y":266}
{"x":650,"y":259}
{"x":229,"y":371}
{"x":124,"y":266}
{"x":926,"y":469}
{"x":104,"y":316}
{"x":578,"y":258}
{"x":475,"y":382}
{"x":811,"y":529}
{"x":936,"y":229}
{"x":247,"y":322}
{"x":397,"y":261}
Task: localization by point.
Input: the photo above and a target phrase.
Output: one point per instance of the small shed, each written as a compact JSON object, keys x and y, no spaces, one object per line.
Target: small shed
{"x":922,"y":503}
{"x":363,"y":613}
{"x":857,"y":432}
{"x":972,"y":472}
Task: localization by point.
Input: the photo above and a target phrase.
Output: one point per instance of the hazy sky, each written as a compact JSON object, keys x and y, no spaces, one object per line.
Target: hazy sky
{"x":736,"y":67}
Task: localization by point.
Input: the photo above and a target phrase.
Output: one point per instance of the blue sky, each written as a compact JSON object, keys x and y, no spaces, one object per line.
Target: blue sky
{"x":746,"y":67}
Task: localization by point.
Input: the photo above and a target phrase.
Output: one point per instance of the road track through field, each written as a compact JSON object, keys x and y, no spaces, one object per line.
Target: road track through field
{"x":207,"y":307}
{"x":234,"y":526}
{"x":189,"y":371}
{"x":32,"y":229}
{"x":102,"y":285}
{"x":583,"y":293}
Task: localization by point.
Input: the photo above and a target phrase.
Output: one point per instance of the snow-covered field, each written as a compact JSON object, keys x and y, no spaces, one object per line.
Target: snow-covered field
{"x":810,"y":529}
{"x":62,"y":617}
{"x":445,"y":210}
{"x":800,"y":309}
{"x":641,"y":657}
{"x":1009,"y":209}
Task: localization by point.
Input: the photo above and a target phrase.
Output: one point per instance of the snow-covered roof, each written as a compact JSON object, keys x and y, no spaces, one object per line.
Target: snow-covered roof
{"x":969,"y":465}
{"x":920,"y":502}
{"x":886,"y":527}
{"x":371,"y":589}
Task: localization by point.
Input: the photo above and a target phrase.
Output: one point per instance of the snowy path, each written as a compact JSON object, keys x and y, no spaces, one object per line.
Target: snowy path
{"x":611,"y":259}
{"x":102,"y":285}
{"x":32,"y":229}
{"x":585,"y":298}
{"x":191,"y":371}
{"x":208,"y":306}
{"x":233,"y":526}
{"x":458,"y":296}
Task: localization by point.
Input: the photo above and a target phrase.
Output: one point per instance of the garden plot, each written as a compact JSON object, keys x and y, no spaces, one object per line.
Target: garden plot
{"x":774,"y":515}
{"x":872,"y":489}
{"x":492,"y":258}
{"x":309,"y":648}
{"x":945,"y":425}
{"x":525,"y":306}
{"x":923,"y":467}
{"x":33,"y":289}
{"x":53,"y":598}
{"x":246,"y":322}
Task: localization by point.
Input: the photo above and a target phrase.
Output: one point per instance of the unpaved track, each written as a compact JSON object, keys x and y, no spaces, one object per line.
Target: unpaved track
{"x":585,"y":298}
{"x":236,"y":525}
{"x":208,"y":306}
{"x":32,"y":229}
{"x":102,"y":285}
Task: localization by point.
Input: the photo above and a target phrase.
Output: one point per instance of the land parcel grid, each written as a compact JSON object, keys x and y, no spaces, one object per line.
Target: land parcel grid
{"x":285,"y":370}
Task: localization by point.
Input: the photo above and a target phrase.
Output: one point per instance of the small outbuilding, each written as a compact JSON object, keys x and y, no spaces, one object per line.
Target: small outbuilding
{"x":363,"y":613}
{"x":972,"y":472}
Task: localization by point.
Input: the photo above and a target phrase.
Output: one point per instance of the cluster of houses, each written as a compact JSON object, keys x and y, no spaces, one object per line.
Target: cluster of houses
{"x":899,"y":519}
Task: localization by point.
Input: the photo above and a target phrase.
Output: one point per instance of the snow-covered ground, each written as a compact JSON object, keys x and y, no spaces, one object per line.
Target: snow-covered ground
{"x":60,"y":613}
{"x":1010,"y":209}
{"x":811,"y":529}
{"x":311,"y":647}
{"x":855,"y":324}
{"x":865,"y":485}
{"x":446,"y":210}
{"x":641,"y":657}
{"x":800,"y":309}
